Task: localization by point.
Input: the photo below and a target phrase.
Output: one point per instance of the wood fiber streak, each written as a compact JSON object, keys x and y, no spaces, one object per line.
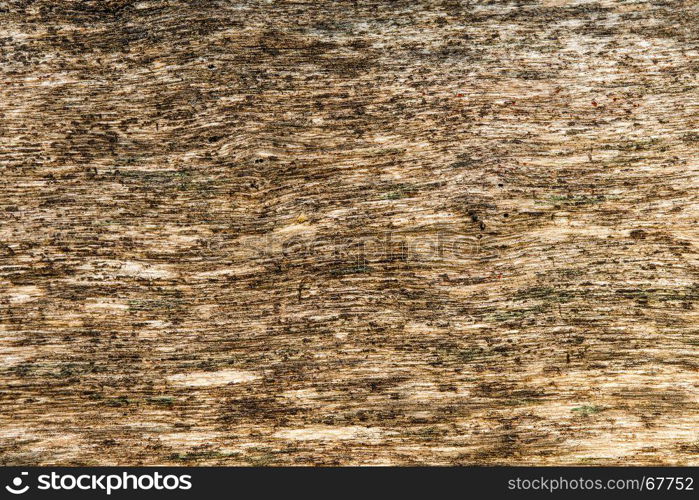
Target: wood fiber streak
{"x":349,"y":232}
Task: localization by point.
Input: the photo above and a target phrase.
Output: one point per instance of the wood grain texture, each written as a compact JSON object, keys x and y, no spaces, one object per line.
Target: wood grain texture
{"x":341,"y":233}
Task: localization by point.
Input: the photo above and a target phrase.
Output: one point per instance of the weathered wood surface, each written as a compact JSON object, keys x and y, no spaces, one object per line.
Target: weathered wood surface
{"x":186,"y":187}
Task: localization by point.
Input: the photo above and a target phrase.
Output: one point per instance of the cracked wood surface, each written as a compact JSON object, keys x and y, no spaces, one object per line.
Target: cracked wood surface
{"x":340,"y":233}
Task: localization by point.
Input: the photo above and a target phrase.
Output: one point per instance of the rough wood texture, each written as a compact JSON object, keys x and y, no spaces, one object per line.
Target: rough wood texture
{"x":328,"y":232}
